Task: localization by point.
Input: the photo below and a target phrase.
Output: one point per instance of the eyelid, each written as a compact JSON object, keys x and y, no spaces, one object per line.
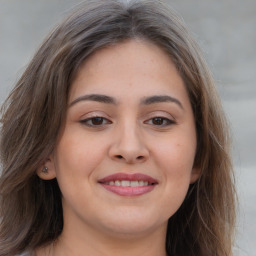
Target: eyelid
{"x":159,"y":113}
{"x":93,"y":114}
{"x":86,"y":121}
{"x":90,"y":116}
{"x":167,"y":117}
{"x":168,"y":120}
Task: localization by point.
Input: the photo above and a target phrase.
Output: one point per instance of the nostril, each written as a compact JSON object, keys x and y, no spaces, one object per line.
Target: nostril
{"x":138,"y":158}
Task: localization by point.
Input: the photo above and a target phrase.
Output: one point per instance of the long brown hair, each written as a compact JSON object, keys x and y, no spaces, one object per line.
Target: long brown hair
{"x":34,"y":113}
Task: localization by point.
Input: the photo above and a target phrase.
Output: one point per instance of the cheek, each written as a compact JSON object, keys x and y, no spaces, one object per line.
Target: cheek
{"x":77,"y":155}
{"x":176,"y":163}
{"x":177,"y":157}
{"x":76,"y":159}
{"x":176,"y":160}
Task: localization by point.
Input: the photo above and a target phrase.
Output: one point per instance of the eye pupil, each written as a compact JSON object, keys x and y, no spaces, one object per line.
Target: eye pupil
{"x":157,"y":121}
{"x":97,"y":120}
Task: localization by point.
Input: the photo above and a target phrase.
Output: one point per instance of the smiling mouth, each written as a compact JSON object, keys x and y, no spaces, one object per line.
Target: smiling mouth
{"x":128,"y":184}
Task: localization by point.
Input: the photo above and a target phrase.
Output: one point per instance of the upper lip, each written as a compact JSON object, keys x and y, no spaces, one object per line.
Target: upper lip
{"x":129,"y":177}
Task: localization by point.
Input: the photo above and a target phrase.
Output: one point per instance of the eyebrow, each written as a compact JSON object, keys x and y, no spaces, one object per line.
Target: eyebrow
{"x":110,"y":100}
{"x":95,"y":97}
{"x":160,"y":99}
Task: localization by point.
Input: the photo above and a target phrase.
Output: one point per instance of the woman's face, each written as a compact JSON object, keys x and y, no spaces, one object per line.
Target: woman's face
{"x":124,"y":161}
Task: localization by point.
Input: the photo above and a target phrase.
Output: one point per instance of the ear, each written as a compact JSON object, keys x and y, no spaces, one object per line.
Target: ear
{"x":46,"y":171}
{"x":195,"y":174}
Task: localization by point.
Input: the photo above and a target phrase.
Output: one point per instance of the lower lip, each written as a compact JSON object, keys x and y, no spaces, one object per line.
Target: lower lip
{"x":129,"y":191}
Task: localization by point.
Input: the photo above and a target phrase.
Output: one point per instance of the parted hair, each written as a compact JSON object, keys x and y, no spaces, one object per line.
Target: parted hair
{"x":34,"y":113}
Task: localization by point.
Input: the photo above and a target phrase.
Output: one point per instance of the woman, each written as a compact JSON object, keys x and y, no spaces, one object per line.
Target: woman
{"x":114,"y":141}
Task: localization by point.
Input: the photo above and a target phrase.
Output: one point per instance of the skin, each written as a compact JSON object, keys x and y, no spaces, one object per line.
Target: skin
{"x":127,"y":139}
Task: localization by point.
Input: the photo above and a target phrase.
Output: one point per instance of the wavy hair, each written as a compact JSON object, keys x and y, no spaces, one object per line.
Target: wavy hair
{"x":34,"y":113}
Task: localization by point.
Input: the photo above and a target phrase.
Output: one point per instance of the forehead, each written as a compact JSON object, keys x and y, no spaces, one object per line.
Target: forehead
{"x":134,"y":66}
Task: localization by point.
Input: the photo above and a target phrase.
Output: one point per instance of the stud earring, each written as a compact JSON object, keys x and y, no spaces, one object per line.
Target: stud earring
{"x":45,"y":170}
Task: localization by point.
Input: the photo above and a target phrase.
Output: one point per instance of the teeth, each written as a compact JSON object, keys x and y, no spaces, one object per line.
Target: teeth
{"x":127,"y":183}
{"x":135,"y":183}
{"x":143,"y":183}
{"x":117,"y":183}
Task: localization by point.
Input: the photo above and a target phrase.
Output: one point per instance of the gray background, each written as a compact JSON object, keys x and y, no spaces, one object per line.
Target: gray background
{"x":226,"y":31}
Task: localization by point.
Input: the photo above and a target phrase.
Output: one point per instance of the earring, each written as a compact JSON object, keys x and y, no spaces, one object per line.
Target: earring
{"x":45,"y":170}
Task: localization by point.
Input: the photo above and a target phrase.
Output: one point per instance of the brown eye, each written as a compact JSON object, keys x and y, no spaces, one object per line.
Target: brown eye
{"x":160,"y":121}
{"x":95,"y":121}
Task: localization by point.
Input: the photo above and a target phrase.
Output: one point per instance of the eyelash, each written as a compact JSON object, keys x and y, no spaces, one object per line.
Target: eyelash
{"x":89,"y":121}
{"x":167,"y":121}
{"x":104,"y":121}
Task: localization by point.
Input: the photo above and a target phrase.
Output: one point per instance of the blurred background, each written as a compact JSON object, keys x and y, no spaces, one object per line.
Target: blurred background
{"x":226,"y":31}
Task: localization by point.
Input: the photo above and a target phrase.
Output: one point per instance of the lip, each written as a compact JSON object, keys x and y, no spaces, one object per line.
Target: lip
{"x":128,"y":191}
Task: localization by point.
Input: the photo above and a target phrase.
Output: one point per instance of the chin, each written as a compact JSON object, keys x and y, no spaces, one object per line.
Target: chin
{"x":132,"y":224}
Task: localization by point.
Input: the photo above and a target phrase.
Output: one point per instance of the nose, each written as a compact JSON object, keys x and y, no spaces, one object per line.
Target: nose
{"x":128,"y":146}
